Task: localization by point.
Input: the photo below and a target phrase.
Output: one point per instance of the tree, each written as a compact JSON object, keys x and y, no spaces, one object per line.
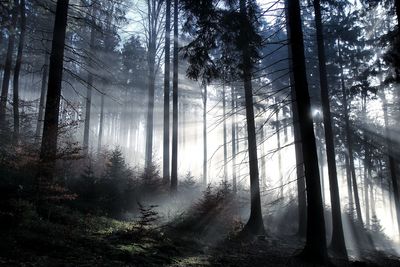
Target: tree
{"x":89,"y":81}
{"x":315,"y":248}
{"x":17,"y":70}
{"x":301,"y":187}
{"x":238,"y":34}
{"x":174,"y":167}
{"x":204,"y":99}
{"x":167,"y":63}
{"x":154,"y":29}
{"x":48,"y":149}
{"x":337,"y":243}
{"x":7,"y":65}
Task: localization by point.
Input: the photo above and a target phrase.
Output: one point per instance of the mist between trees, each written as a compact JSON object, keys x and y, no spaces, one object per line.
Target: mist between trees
{"x":280,"y":116}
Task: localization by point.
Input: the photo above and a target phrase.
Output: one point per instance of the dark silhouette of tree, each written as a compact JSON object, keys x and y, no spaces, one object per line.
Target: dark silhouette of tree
{"x":315,"y":248}
{"x":337,"y":243}
{"x":238,"y":34}
{"x":167,"y":73}
{"x":7,"y":65}
{"x":48,"y":149}
{"x":174,"y":159}
{"x":17,"y":71}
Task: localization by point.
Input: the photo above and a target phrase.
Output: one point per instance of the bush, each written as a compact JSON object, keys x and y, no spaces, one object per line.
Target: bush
{"x":214,"y":215}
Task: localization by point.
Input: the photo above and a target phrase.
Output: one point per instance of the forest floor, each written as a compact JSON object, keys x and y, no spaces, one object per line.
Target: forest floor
{"x":70,"y":238}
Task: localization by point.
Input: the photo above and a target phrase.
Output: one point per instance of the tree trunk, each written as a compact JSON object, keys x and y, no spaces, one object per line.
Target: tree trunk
{"x":101,"y":124}
{"x":225,"y":133}
{"x":278,"y":140}
{"x":392,"y":162}
{"x":17,"y":71}
{"x":337,"y":245}
{"x":205,"y":136}
{"x":7,"y":66}
{"x":315,"y":248}
{"x":174,"y":167}
{"x":43,"y":91}
{"x":255,"y":223}
{"x":397,"y":7}
{"x":367,"y":160}
{"x":151,"y":59}
{"x":89,"y":88}
{"x":349,"y":186}
{"x":167,"y":63}
{"x":233,"y":132}
{"x":263,"y":161}
{"x":51,"y":117}
{"x":349,"y":140}
{"x":301,"y":186}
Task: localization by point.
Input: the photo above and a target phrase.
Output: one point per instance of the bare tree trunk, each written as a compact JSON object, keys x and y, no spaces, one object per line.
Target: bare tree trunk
{"x":167,"y":63}
{"x":233,"y":131}
{"x":150,"y":110}
{"x":349,"y":186}
{"x":89,"y":88}
{"x":205,"y":135}
{"x":43,"y":91}
{"x":263,"y":163}
{"x":51,"y":117}
{"x":315,"y":248}
{"x":367,"y":160}
{"x":255,"y":223}
{"x":17,"y":71}
{"x":174,"y":167}
{"x":101,"y":124}
{"x":278,"y":140}
{"x":7,"y":65}
{"x":301,"y":186}
{"x":225,"y":133}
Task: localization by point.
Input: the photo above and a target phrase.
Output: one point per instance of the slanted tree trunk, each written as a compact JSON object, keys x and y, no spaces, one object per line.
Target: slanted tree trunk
{"x":7,"y":65}
{"x":174,"y":167}
{"x":43,"y":91}
{"x":89,"y":87}
{"x":51,"y":117}
{"x":315,"y":248}
{"x":167,"y":63}
{"x":17,"y":70}
{"x":204,"y":96}
{"x":337,"y":245}
{"x":255,"y":224}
